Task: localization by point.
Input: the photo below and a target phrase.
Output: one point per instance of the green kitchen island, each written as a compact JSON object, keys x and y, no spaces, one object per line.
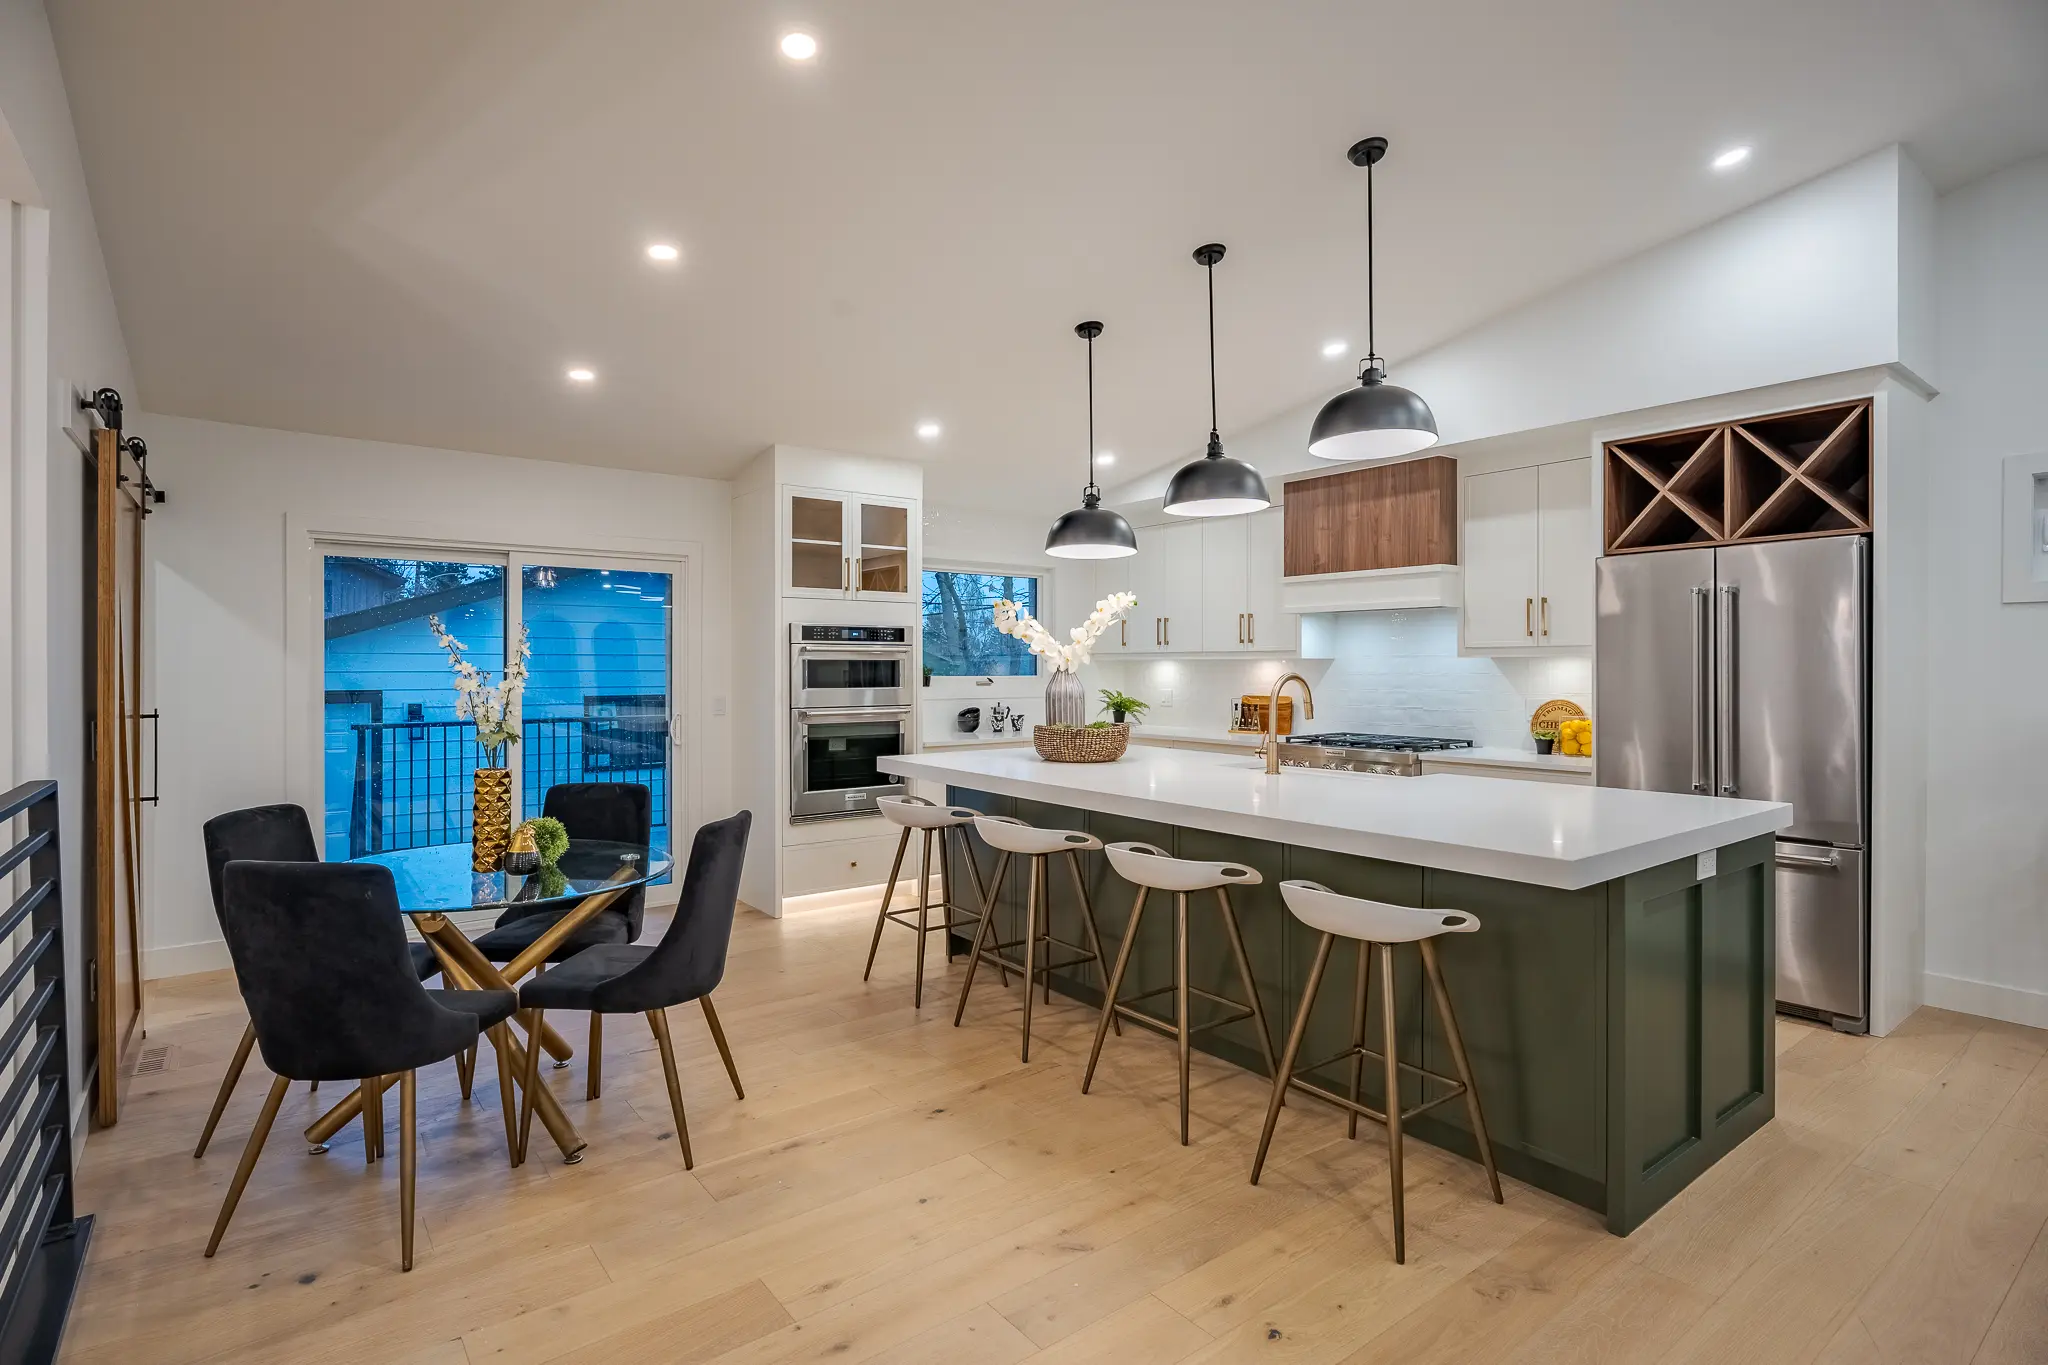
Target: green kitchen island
{"x":1617,"y":1001}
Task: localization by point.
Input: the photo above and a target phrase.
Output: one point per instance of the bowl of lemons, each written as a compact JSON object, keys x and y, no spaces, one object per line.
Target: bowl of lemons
{"x":1575,"y":738}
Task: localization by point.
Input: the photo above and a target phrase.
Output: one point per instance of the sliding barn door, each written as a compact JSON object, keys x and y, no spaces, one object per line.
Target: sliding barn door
{"x":115,"y":728}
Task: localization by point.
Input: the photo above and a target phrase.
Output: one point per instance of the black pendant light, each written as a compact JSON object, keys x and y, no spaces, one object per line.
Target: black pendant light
{"x":1215,"y":485}
{"x":1091,"y":531}
{"x":1376,"y":420}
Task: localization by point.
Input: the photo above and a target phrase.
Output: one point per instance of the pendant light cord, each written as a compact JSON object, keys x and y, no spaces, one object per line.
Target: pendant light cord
{"x":1212,"y":351}
{"x":1091,"y":489}
{"x":1372,"y":353}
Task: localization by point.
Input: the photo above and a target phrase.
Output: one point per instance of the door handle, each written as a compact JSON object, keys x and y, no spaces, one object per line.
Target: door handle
{"x":845,"y":574}
{"x":1529,"y":617}
{"x":1546,"y":618}
{"x":1724,"y":692}
{"x":156,"y":755}
{"x":1240,"y":627}
{"x":1829,"y":859}
{"x":1123,"y":635}
{"x":1251,"y":627}
{"x":1166,"y":625}
{"x":1699,"y":689}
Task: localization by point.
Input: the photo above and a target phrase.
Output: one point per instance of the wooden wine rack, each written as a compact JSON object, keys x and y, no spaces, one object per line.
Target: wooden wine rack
{"x":1788,"y":475}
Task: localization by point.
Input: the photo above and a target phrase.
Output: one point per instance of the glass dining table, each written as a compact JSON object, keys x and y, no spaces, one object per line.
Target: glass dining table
{"x":435,"y":882}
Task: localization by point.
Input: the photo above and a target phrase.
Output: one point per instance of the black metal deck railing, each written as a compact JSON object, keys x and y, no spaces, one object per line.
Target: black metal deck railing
{"x":42,"y":1238}
{"x":412,"y":784}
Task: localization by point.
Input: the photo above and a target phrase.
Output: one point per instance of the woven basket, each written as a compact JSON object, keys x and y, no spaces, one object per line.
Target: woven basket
{"x":1079,"y":743}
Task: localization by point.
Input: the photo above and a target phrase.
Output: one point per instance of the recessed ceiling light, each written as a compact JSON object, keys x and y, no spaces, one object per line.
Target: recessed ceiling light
{"x":579,"y":375}
{"x":663,"y":252}
{"x":1105,"y":457}
{"x":1333,"y":349}
{"x":1733,"y":157}
{"x":929,"y":430}
{"x":799,"y":47}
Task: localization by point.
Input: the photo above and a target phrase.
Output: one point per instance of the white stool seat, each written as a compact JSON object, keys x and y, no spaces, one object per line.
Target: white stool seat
{"x":1150,"y":865}
{"x":1319,"y":907}
{"x":918,"y":813}
{"x":1010,"y":835}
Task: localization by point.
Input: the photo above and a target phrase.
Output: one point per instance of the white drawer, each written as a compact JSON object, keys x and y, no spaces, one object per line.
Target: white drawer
{"x":843,"y":863}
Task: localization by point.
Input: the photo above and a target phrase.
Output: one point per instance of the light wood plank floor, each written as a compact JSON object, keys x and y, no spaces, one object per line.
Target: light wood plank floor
{"x":896,"y":1190}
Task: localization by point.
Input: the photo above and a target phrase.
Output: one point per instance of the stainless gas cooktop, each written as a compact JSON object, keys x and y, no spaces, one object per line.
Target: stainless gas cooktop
{"x":1345,"y":751}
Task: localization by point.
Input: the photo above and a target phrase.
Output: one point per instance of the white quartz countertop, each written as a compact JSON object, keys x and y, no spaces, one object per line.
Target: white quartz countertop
{"x":1548,"y":834}
{"x":1513,"y":758}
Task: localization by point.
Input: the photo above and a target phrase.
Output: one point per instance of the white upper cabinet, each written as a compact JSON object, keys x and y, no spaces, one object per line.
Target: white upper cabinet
{"x":848,"y":545}
{"x":1167,"y":576}
{"x":1224,"y":551}
{"x":1528,"y":557}
{"x":1266,"y":627}
{"x":1242,"y":562}
{"x":1111,"y":575}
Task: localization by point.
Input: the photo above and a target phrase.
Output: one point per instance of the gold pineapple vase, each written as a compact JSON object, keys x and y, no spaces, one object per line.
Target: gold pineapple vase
{"x":490,"y":819}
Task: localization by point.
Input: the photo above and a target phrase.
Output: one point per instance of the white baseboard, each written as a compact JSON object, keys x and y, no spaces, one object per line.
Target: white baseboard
{"x":2013,"y":1004}
{"x":185,"y":959}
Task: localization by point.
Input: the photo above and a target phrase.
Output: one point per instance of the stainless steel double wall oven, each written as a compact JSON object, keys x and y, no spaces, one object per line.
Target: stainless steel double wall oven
{"x":850,"y":693}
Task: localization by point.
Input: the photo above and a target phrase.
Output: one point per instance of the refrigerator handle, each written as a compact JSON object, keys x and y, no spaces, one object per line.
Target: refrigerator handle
{"x":1699,"y":689}
{"x":1724,"y":692}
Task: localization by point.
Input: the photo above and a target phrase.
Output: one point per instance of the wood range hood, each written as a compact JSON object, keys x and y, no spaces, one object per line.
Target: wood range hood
{"x":1384,"y":538}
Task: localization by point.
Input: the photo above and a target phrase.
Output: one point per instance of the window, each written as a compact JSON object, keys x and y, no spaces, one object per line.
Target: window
{"x":960,"y":636}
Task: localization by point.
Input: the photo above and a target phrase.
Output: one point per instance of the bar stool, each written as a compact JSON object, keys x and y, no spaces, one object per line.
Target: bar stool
{"x":1150,"y":868}
{"x":916,"y":813}
{"x":1375,"y":924}
{"x":1013,"y":838}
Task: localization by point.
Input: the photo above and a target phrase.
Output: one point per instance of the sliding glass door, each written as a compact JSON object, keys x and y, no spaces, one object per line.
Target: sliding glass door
{"x":599,"y":705}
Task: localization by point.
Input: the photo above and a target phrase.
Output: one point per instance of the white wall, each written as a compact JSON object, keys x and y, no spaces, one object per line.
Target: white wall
{"x":1827,"y":277}
{"x":1987,"y":706}
{"x":234,"y":582}
{"x":84,"y":348}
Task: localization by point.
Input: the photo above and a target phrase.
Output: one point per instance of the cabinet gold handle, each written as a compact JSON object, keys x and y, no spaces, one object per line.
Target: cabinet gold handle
{"x":1123,"y":637}
{"x":845,"y":574}
{"x":1546,"y":617}
{"x":1240,"y":627}
{"x":1251,"y":628}
{"x":1166,"y":625}
{"x":1529,"y":616}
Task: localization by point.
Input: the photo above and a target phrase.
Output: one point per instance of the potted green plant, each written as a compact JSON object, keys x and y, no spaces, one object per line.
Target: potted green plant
{"x":1546,"y":740}
{"x":1121,"y":705}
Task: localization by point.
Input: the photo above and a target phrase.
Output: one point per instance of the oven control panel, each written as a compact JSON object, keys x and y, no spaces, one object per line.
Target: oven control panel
{"x":850,"y":635}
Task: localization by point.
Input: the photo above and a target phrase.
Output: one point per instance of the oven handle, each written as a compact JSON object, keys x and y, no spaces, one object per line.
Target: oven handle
{"x":854,"y":649}
{"x":853,"y":713}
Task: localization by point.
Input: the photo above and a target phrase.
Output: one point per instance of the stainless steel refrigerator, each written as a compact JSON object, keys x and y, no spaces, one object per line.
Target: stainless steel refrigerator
{"x":1745,"y":671}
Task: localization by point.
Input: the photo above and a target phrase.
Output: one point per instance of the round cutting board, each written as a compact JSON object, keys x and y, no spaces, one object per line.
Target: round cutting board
{"x":1554,"y":711}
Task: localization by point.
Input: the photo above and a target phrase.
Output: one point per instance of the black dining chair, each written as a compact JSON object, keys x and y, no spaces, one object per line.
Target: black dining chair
{"x":620,"y":813}
{"x":270,"y":834}
{"x":321,"y":959}
{"x":687,"y":964}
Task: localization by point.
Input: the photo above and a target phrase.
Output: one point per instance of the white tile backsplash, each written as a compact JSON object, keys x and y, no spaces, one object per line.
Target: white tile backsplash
{"x":1394,"y":672}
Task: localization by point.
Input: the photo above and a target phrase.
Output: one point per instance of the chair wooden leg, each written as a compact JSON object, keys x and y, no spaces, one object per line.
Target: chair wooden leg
{"x":1094,"y":934}
{"x":888,"y":894}
{"x":658,"y":1021}
{"x":924,"y":908}
{"x":984,"y":935}
{"x":724,"y":1051}
{"x":1389,"y":1044}
{"x":1464,"y":1065}
{"x":532,"y":1082}
{"x":250,"y":1151}
{"x":1116,"y":981}
{"x":1360,"y":985}
{"x":1183,"y":1036}
{"x":408,"y":1155}
{"x":1031,"y":931}
{"x":465,"y":1070}
{"x":596,"y":1077}
{"x":508,"y":1098}
{"x":373,"y":1117}
{"x":1285,"y":1074}
{"x":227,"y":1088}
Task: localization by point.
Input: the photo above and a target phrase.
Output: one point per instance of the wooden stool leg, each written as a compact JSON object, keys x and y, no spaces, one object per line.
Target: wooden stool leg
{"x":250,"y":1151}
{"x":724,"y":1051}
{"x":408,"y":1154}
{"x":888,"y":894}
{"x":1389,"y":1043}
{"x":596,"y":1055}
{"x":924,"y":907}
{"x":983,"y":936}
{"x":227,"y":1088}
{"x":1116,"y":981}
{"x":1359,"y":987}
{"x":658,"y":1021}
{"x":1094,"y":934}
{"x":1285,"y":1074}
{"x":982,"y":895}
{"x":1031,"y":944}
{"x":1457,"y":1042}
{"x":1244,"y":971}
{"x":946,"y":888}
{"x":1183,"y":1039}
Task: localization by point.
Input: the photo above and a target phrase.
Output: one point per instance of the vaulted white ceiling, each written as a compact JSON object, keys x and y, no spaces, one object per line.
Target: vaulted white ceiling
{"x":404,"y":219}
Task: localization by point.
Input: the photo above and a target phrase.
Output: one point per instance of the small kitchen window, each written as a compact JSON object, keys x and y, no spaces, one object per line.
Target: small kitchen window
{"x":960,"y":636}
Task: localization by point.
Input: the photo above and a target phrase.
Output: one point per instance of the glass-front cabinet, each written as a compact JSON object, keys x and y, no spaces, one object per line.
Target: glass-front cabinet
{"x":848,"y":545}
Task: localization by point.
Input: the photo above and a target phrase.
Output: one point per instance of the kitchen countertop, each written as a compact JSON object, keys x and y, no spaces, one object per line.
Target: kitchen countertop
{"x":1547,"y":834}
{"x":1512,"y":758}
